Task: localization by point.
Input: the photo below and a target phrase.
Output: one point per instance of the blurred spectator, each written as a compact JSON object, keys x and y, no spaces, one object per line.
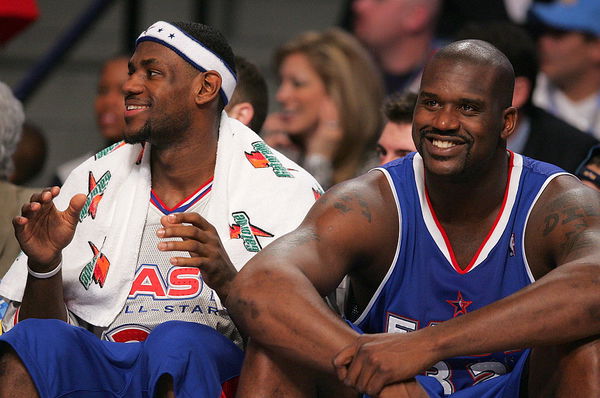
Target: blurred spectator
{"x":250,"y":101}
{"x":30,"y":156}
{"x":569,"y":49}
{"x":109,"y":108}
{"x":589,"y":170}
{"x":538,"y":134}
{"x":401,"y":36}
{"x":11,"y":196}
{"x":457,"y":14}
{"x":396,"y":139}
{"x":330,"y":95}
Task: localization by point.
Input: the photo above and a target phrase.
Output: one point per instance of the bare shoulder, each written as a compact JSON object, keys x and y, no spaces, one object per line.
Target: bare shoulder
{"x":354,"y":221}
{"x":565,"y":222}
{"x":364,"y":199}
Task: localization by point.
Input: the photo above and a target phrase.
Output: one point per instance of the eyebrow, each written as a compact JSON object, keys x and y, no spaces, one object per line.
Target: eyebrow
{"x":464,"y":100}
{"x":149,"y":62}
{"x":145,"y":63}
{"x":428,"y":94}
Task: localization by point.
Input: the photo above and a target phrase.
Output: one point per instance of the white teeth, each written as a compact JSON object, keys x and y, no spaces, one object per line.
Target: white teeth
{"x":443,"y":144}
{"x":134,"y":107}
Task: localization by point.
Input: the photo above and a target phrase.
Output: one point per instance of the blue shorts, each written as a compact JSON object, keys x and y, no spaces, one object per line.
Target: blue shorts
{"x":504,"y":386}
{"x":68,"y":361}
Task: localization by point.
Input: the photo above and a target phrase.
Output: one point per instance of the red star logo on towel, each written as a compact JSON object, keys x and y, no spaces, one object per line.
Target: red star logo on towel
{"x":460,"y":305}
{"x":235,"y":231}
{"x":101,"y":267}
{"x":257,"y":159}
{"x":94,"y":199}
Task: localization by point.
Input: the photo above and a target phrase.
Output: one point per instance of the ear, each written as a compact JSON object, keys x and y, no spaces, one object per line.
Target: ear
{"x":510,"y":122}
{"x":206,"y":87}
{"x":522,"y":92}
{"x":244,"y":112}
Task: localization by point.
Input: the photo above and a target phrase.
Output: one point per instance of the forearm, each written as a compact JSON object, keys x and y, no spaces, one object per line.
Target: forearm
{"x":563,"y":306}
{"x":287,"y":314}
{"x":43,"y":298}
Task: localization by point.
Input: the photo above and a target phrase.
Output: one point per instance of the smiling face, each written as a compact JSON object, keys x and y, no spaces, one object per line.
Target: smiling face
{"x":109,"y":104}
{"x":300,"y":94}
{"x":158,"y":95}
{"x":460,"y":123}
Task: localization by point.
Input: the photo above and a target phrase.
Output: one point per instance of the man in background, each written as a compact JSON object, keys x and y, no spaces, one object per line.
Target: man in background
{"x":538,"y":134}
{"x":401,"y":36}
{"x":569,"y":50}
{"x":396,"y":140}
{"x":250,"y":101}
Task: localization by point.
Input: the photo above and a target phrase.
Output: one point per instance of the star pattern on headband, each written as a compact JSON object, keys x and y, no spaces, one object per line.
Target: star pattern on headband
{"x":171,"y":35}
{"x":161,"y":29}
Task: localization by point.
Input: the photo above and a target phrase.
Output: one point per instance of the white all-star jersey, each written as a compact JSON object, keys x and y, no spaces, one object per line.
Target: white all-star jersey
{"x":163,"y":292}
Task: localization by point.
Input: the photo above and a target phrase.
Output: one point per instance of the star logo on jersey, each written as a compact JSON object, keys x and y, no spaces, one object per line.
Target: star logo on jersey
{"x":242,"y":229}
{"x":460,"y":305}
{"x":262,"y":157}
{"x":96,"y":269}
{"x":96,"y":191}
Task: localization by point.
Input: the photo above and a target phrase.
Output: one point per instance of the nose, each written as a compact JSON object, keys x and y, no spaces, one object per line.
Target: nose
{"x":132,"y":85}
{"x":445,"y":119}
{"x":283,"y":92}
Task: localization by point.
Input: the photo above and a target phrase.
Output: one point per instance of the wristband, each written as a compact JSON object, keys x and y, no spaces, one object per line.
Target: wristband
{"x":44,"y":275}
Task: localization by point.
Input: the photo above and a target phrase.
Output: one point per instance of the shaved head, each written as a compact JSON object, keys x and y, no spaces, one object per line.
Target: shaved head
{"x":479,"y":52}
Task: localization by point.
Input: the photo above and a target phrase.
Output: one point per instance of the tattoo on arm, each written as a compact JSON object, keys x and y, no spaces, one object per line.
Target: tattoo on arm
{"x":351,"y":202}
{"x":574,"y":219}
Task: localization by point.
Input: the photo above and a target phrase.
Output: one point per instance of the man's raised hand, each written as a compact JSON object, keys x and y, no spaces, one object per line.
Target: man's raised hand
{"x":43,"y":231}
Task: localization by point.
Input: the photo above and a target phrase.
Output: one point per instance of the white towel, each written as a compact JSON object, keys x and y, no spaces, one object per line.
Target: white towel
{"x":257,"y":196}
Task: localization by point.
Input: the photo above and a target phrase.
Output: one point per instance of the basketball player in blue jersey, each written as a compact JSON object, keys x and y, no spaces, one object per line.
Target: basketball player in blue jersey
{"x":474,"y":271}
{"x":176,"y":243}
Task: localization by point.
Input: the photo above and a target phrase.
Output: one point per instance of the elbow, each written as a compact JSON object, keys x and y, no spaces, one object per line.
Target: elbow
{"x":242,"y":301}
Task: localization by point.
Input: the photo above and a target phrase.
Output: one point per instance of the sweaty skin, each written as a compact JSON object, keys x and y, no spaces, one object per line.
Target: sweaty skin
{"x":461,"y":123}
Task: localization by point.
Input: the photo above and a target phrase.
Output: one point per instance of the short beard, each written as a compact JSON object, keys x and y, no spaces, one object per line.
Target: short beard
{"x":142,"y":135}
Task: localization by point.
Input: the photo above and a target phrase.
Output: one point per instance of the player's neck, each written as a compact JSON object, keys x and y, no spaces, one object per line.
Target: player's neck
{"x":468,"y":200}
{"x":178,"y":172}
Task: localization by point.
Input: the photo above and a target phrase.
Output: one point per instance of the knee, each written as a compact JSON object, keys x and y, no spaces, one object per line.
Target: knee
{"x":43,"y":335}
{"x":15,"y":380}
{"x":568,"y":370}
{"x":181,"y":336}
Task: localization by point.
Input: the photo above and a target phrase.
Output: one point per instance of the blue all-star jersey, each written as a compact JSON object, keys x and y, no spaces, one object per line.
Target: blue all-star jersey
{"x":425,"y":286}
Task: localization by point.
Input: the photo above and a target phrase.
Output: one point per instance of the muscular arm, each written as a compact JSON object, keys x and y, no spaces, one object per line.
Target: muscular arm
{"x":563,"y":305}
{"x":277,"y":297}
{"x":563,"y":251}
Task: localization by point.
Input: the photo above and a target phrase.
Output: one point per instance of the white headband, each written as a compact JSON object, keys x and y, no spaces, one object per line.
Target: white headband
{"x":192,"y":51}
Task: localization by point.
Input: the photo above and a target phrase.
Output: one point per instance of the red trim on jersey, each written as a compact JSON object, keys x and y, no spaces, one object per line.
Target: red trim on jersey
{"x":181,"y":203}
{"x":229,"y":388}
{"x":490,"y":232}
{"x":16,"y":318}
